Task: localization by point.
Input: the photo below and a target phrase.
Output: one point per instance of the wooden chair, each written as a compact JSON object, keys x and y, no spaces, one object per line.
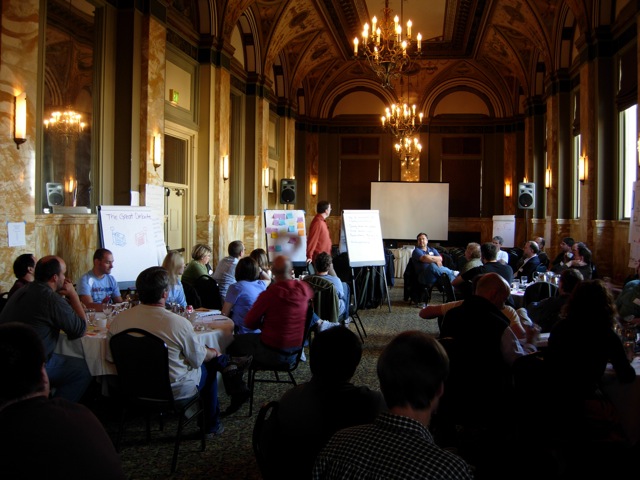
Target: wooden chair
{"x":142,"y":361}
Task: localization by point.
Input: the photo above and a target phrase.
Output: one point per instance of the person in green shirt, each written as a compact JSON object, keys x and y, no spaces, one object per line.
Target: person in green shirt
{"x":201,"y":254}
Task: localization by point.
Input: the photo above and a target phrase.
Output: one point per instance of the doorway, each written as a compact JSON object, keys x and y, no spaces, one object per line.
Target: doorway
{"x":179,"y":155}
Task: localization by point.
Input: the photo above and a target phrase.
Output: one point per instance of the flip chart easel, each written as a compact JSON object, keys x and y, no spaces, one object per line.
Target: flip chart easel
{"x":363,"y":238}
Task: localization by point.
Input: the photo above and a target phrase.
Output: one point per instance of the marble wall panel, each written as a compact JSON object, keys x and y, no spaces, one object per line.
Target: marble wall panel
{"x":18,"y":73}
{"x":72,"y":237}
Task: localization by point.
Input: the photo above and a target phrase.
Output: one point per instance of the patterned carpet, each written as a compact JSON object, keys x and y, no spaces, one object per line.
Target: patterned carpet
{"x":230,"y":456}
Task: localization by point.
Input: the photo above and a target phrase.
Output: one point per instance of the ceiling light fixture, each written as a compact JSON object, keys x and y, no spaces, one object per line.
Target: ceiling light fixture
{"x":388,"y":50}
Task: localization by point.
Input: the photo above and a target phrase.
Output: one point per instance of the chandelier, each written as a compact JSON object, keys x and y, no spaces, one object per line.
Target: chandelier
{"x":409,"y":150}
{"x":67,"y":124}
{"x":401,"y":120}
{"x":388,"y":50}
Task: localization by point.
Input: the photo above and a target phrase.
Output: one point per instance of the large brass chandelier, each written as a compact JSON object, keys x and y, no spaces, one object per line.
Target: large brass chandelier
{"x":67,"y":124}
{"x":388,"y":50}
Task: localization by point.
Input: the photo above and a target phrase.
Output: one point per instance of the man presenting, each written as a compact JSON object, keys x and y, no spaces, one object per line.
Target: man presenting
{"x":42,"y":305}
{"x":319,"y":240}
{"x":98,"y":286}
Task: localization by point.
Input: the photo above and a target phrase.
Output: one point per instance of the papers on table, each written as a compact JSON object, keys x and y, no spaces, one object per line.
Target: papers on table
{"x":208,"y":317}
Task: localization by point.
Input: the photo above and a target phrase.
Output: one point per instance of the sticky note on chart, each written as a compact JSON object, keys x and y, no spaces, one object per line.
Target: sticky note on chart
{"x":289,"y":215}
{"x":293,"y":240}
{"x":274,"y":234}
{"x":292,"y":228}
{"x":278,"y":248}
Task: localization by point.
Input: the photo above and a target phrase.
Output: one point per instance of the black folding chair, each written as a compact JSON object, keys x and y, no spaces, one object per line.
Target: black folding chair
{"x":142,"y":361}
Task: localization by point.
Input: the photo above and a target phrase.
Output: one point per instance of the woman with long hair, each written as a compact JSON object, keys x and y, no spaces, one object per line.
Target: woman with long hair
{"x":174,"y":264}
{"x":260,"y":256}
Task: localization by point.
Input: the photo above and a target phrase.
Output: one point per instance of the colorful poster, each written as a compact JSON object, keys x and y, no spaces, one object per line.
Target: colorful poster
{"x":286,"y":234}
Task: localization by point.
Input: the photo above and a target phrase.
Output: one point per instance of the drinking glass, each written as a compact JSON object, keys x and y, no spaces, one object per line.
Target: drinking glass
{"x":91,"y":317}
{"x":108,"y":309}
{"x":523,"y":282}
{"x":303,"y":274}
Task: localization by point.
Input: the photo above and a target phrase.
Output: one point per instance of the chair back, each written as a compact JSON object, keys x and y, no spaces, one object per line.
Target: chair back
{"x":4,"y":297}
{"x":325,"y":300}
{"x":191,"y":295}
{"x":142,"y":361}
{"x":447,"y":289}
{"x":539,"y":291}
{"x":208,"y":291}
{"x":264,"y":431}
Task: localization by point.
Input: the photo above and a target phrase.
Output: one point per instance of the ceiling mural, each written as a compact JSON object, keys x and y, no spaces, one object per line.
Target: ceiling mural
{"x":495,"y":42}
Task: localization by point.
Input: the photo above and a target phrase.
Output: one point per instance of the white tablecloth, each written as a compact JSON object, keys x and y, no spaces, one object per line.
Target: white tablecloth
{"x":626,"y":398}
{"x":402,"y":256}
{"x":92,"y":347}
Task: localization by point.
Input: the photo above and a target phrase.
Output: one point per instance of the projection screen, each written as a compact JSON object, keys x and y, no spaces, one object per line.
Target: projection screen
{"x":407,"y":208}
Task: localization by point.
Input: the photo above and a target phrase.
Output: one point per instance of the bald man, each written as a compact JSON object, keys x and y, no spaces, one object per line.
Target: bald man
{"x":279,"y":313}
{"x":49,"y":305}
{"x":484,"y":351}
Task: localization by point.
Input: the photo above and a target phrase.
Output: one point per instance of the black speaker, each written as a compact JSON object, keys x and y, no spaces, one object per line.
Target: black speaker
{"x":526,"y":195}
{"x":55,"y":194}
{"x":287,"y":190}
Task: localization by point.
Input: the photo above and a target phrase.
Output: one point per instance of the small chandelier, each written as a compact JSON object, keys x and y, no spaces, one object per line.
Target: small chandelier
{"x":388,"y":51}
{"x":67,"y":124}
{"x":401,"y":120}
{"x":409,"y":150}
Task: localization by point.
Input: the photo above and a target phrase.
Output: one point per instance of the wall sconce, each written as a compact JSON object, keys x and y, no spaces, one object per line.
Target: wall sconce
{"x":314,"y":188}
{"x":525,"y":179}
{"x":225,"y":167}
{"x":20,"y":119}
{"x":547,"y":178}
{"x":582,"y":168}
{"x":507,"y":189}
{"x":157,"y":151}
{"x":265,"y":177}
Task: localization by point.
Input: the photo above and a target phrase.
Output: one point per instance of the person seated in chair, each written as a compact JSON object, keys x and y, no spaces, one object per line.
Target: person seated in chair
{"x":280,"y":312}
{"x":42,"y":437}
{"x":412,"y":370}
{"x":225,"y":273}
{"x":490,"y":264}
{"x":528,"y":265}
{"x":243,"y":294}
{"x":319,"y":408}
{"x":23,"y":268}
{"x":98,"y":287}
{"x":546,"y":313}
{"x":323,"y":264}
{"x":472,"y":256}
{"x":502,"y":256}
{"x":544,"y":258}
{"x":581,"y":260}
{"x":198,"y":266}
{"x":427,"y":262}
{"x":192,"y":366}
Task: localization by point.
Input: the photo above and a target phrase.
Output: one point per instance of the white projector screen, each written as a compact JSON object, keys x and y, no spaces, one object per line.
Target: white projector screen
{"x":408,"y":208}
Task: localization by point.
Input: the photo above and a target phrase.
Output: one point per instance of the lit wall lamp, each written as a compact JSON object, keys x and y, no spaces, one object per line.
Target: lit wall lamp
{"x":157,"y":152}
{"x":582,"y":168}
{"x":314,"y":188}
{"x":507,"y":189}
{"x":225,"y":167}
{"x":20,"y":119}
{"x":547,"y":178}
{"x":525,"y":179}
{"x":265,"y":177}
